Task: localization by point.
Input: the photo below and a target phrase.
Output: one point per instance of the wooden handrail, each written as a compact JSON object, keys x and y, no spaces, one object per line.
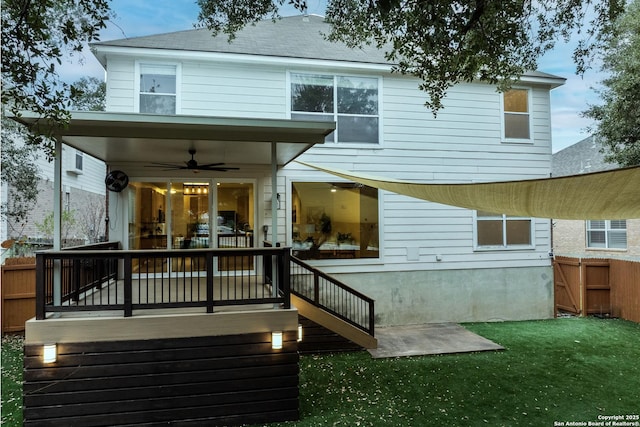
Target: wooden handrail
{"x":346,"y":307}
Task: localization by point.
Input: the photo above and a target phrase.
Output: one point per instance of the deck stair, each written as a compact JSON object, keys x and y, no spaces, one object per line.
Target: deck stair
{"x":333,"y":305}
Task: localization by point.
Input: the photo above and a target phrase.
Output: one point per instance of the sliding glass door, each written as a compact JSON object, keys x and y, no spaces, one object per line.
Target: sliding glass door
{"x":179,"y":215}
{"x":235,"y":222}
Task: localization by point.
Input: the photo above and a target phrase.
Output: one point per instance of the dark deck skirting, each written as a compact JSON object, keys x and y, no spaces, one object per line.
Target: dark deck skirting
{"x":218,"y":380}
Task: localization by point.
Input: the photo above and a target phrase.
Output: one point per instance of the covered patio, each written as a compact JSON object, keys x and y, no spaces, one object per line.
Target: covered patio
{"x":167,"y":333}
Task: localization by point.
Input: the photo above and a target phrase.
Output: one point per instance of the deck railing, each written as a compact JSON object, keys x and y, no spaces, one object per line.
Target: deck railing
{"x":331,"y":295}
{"x":79,"y":276}
{"x":95,"y":280}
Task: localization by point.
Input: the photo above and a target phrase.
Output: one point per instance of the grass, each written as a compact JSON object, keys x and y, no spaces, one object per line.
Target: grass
{"x":11,"y":405}
{"x":554,"y":370}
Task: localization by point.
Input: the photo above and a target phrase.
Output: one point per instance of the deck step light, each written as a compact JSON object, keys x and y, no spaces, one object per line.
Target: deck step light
{"x":50,"y":353}
{"x":276,"y":340}
{"x":299,"y":332}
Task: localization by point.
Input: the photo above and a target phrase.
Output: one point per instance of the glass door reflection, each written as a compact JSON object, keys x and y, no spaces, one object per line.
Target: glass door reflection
{"x":189,"y":223}
{"x":234,"y":223}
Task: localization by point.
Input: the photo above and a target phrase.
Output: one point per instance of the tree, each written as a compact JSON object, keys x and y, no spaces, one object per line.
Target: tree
{"x":444,"y":42}
{"x":90,"y":94}
{"x":92,"y":218}
{"x":20,"y":174}
{"x":46,"y":227}
{"x":618,"y":118}
{"x":36,"y":36}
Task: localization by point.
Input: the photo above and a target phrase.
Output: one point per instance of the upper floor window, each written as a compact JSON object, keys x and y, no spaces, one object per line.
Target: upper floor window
{"x":74,"y":161}
{"x":158,"y":88}
{"x":516,"y":115}
{"x":352,"y":102}
{"x":609,"y":234}
{"x":79,"y":160}
{"x":503,"y":231}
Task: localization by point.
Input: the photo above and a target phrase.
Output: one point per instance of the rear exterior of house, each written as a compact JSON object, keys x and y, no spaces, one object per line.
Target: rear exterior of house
{"x":420,"y":261}
{"x":192,"y":313}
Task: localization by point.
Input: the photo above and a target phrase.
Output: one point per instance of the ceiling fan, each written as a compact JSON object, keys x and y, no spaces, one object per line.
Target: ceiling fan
{"x":192,"y":165}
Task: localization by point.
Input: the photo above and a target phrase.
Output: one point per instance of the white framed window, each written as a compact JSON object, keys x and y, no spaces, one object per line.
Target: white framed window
{"x":516,"y":115}
{"x":157,"y":88}
{"x":607,"y":234}
{"x":351,"y":101}
{"x":500,"y":231}
{"x":79,"y":161}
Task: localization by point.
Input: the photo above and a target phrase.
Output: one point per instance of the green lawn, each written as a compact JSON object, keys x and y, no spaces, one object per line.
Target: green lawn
{"x":12,"y":380}
{"x":555,"y":370}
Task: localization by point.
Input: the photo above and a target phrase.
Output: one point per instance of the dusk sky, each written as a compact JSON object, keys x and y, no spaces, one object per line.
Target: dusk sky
{"x":140,"y":18}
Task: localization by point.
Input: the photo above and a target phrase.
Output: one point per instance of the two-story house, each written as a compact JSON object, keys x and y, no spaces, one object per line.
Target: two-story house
{"x":420,"y":261}
{"x":212,"y":150}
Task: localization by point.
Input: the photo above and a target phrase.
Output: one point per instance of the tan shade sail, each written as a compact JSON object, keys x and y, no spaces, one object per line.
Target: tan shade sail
{"x":611,"y":194}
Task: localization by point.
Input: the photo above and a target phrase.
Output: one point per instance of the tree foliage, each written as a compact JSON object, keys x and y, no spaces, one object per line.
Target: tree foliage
{"x":20,"y":172}
{"x":90,"y":94}
{"x":36,"y":36}
{"x":618,"y":117}
{"x":444,"y":42}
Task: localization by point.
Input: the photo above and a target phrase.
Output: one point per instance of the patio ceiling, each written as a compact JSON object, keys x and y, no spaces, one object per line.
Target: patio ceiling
{"x":145,"y":138}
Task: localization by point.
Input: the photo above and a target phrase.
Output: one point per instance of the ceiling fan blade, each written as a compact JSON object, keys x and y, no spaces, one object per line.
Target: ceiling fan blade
{"x":164,"y":165}
{"x":221,"y":169}
{"x":191,"y":165}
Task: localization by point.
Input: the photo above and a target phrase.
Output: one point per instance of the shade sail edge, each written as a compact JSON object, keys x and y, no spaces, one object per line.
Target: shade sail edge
{"x":613,"y":194}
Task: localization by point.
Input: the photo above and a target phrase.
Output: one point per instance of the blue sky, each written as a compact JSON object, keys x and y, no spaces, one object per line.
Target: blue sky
{"x":144,"y":17}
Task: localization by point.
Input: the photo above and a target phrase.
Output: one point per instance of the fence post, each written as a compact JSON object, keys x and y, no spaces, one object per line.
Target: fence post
{"x":40,"y":287}
{"x":128,"y":286}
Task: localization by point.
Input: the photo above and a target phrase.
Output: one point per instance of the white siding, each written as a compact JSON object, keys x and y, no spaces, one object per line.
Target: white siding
{"x":120,"y":85}
{"x":91,"y":179}
{"x":233,"y":90}
{"x":462,"y":144}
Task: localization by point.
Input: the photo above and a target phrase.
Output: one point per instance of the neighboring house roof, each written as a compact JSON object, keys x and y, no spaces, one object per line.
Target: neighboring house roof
{"x":582,"y":157}
{"x":290,"y":37}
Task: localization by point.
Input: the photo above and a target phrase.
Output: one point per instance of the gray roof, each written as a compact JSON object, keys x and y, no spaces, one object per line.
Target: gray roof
{"x":293,"y":37}
{"x":289,"y":37}
{"x":582,"y":157}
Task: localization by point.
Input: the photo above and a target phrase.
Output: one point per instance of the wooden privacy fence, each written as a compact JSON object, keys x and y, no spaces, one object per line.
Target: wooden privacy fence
{"x":587,"y":286}
{"x":18,"y":295}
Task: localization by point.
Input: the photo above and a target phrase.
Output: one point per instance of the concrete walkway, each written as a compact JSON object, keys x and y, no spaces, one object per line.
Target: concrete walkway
{"x":428,"y":339}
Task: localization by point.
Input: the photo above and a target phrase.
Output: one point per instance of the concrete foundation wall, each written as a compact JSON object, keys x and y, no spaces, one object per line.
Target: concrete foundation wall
{"x":479,"y":295}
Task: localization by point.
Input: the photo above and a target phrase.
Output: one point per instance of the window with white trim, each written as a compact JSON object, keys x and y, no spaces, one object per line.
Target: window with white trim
{"x":516,"y":115}
{"x":607,"y":234}
{"x":79,"y":164}
{"x":503,"y":231}
{"x":158,"y":89}
{"x":350,"y":101}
